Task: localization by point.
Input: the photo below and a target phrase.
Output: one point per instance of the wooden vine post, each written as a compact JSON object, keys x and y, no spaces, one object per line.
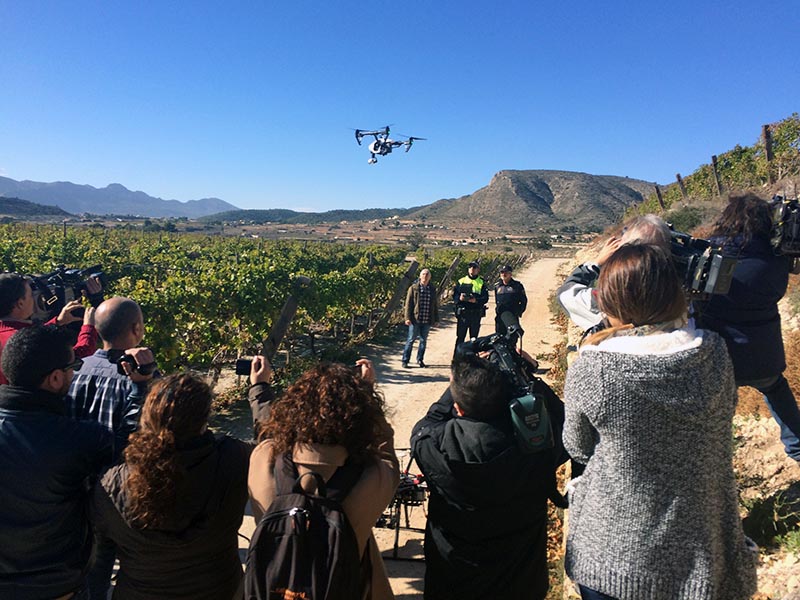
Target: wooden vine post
{"x":766,"y":139}
{"x":660,"y":197}
{"x":300,"y":285}
{"x":398,"y":296}
{"x":679,"y":179}
{"x":717,"y":183}
{"x":444,"y":283}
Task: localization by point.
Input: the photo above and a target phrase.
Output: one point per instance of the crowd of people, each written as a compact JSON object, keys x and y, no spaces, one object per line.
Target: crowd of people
{"x":104,"y":459}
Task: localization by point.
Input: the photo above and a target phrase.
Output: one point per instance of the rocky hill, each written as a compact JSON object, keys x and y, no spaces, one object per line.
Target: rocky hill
{"x":543,"y":198}
{"x":23,"y":209}
{"x":114,"y":199}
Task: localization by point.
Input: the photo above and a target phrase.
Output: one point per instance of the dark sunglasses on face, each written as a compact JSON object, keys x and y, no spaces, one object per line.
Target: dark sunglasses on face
{"x":75,"y":365}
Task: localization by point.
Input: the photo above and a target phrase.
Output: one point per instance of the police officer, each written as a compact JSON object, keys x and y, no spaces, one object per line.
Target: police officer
{"x":509,"y":296}
{"x":470,"y":297}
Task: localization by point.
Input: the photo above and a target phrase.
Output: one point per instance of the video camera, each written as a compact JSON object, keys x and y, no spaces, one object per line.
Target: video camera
{"x":54,"y":290}
{"x":701,"y":267}
{"x":785,"y":235}
{"x":529,"y":413}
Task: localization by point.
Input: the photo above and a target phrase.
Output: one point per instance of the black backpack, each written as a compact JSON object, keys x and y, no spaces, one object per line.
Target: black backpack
{"x":304,"y":547}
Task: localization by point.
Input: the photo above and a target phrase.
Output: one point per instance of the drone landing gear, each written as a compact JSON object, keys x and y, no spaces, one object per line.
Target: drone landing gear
{"x":411,"y":492}
{"x":372,"y":160}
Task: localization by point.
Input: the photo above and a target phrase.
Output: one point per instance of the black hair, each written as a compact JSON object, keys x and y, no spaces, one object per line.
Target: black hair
{"x":13,"y":287}
{"x":480,"y":387}
{"x":118,"y":320}
{"x":34,"y":352}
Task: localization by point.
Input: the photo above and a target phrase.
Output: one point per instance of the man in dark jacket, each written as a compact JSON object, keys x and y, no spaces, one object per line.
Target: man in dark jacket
{"x":422,"y":312}
{"x":487,"y":515}
{"x":46,"y":462}
{"x":509,"y":296}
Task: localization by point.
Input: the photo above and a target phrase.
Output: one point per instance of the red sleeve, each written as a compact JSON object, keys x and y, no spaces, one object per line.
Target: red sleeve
{"x":87,"y":341}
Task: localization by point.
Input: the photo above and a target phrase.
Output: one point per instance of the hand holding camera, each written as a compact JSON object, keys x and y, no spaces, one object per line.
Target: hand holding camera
{"x":260,"y":370}
{"x":138,"y":364}
{"x":365,"y":369}
{"x":73,"y":311}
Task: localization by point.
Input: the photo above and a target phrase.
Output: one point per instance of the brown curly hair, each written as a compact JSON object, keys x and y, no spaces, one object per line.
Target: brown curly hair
{"x":176,"y":409}
{"x":328,"y":404}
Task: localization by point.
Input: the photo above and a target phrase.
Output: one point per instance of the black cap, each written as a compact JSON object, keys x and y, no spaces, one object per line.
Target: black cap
{"x":474,"y":264}
{"x":506,"y":269}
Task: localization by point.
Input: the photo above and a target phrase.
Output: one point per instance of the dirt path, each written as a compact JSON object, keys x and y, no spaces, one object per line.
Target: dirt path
{"x":409,"y":392}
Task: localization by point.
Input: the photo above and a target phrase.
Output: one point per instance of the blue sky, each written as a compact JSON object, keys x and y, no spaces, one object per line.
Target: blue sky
{"x":253,"y":102}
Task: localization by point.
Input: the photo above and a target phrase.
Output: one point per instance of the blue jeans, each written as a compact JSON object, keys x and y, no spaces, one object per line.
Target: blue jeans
{"x":783,"y":406}
{"x":589,"y":594}
{"x":416,"y":330}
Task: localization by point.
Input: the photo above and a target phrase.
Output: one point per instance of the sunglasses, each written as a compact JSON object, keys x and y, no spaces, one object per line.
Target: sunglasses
{"x":75,"y":365}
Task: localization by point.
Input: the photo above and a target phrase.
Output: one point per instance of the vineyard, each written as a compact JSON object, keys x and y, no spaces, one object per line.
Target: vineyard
{"x":774,"y":157}
{"x":208,"y":299}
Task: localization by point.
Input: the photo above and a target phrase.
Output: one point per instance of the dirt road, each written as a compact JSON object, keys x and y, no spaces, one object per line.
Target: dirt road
{"x":409,"y":392}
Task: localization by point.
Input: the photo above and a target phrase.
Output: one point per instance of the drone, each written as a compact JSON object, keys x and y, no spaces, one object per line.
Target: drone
{"x":383,"y":144}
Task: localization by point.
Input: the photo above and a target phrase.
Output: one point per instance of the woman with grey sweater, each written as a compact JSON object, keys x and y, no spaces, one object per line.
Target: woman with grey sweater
{"x":649,"y":405}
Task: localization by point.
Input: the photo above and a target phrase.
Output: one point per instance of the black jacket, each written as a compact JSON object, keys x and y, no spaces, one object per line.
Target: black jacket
{"x":195,"y":556}
{"x":46,"y":462}
{"x":510,"y":298}
{"x":487,"y":516}
{"x":747,"y":317}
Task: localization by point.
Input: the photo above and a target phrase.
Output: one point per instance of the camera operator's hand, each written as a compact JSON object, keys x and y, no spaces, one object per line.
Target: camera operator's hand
{"x":93,"y":286}
{"x":88,"y":316}
{"x":65,"y":317}
{"x":611,"y":246}
{"x":367,"y":371}
{"x":260,"y":370}
{"x":144,"y":358}
{"x":533,"y":362}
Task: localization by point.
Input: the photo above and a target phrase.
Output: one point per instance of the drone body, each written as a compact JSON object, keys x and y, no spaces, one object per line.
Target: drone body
{"x":383,"y":144}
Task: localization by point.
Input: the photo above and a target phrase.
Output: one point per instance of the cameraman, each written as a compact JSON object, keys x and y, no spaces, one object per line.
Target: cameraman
{"x":576,"y":295}
{"x":486,"y":534}
{"x":747,"y":318}
{"x":17,"y":309}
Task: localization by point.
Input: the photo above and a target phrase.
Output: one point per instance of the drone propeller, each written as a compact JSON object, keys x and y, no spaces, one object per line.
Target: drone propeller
{"x":411,"y":139}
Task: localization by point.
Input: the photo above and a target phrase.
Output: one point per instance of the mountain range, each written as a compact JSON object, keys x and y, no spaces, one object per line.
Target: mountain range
{"x":114,"y":199}
{"x":514,"y":199}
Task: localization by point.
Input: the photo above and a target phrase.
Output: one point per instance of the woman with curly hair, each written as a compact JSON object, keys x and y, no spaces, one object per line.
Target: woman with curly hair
{"x":747,"y":317}
{"x":649,"y":405}
{"x":332,"y":417}
{"x":174,"y":506}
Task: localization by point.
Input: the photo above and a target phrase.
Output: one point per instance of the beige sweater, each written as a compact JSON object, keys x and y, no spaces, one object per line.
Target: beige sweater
{"x":363,"y":505}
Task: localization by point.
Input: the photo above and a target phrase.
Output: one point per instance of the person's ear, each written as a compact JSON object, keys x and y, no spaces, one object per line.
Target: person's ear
{"x":53,"y":381}
{"x":459,"y":410}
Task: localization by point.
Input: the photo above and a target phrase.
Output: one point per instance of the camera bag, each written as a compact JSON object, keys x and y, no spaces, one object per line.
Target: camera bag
{"x":304,"y":546}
